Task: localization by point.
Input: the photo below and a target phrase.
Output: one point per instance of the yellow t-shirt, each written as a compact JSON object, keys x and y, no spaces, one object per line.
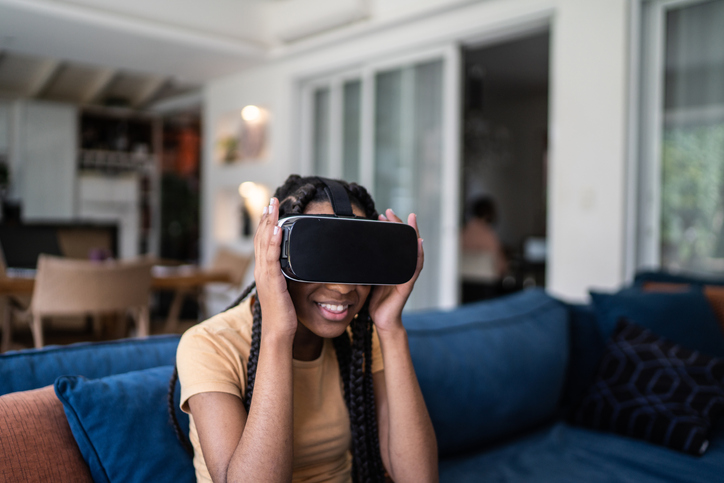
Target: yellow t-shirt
{"x":212,"y":357}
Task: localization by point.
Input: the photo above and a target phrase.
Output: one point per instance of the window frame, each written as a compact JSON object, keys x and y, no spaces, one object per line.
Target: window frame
{"x":649,"y":129}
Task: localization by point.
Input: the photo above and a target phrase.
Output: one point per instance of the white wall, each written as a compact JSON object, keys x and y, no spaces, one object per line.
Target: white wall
{"x":587,"y":114}
{"x":588,"y":146}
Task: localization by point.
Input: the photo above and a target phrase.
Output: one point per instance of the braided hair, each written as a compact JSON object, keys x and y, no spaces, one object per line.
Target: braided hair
{"x":354,"y":355}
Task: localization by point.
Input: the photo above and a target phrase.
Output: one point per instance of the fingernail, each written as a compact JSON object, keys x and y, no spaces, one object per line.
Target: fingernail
{"x":266,"y":210}
{"x":276,"y":229}
{"x":393,"y":212}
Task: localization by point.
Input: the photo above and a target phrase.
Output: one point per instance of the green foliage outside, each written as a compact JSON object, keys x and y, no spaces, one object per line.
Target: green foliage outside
{"x":692,"y":198}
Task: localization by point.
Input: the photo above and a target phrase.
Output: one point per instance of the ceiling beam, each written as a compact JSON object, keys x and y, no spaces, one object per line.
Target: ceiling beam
{"x":44,"y":76}
{"x":150,"y":87}
{"x":98,"y":85}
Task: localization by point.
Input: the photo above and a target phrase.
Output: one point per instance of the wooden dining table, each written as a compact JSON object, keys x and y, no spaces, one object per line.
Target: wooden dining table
{"x":182,"y":280}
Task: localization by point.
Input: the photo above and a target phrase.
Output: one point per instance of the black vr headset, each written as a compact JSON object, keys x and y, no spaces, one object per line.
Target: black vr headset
{"x":342,"y":248}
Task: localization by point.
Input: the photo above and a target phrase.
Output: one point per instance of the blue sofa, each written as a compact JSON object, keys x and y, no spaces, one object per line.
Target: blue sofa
{"x":500,"y":379}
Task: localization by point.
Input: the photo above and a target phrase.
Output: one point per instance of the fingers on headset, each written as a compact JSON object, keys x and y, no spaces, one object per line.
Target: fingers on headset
{"x":392,"y":216}
{"x":412,"y":221}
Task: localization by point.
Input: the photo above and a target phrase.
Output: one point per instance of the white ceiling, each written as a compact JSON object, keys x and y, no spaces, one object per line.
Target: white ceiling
{"x":87,"y":51}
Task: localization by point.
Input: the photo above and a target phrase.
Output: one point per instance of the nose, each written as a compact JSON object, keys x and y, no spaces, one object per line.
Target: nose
{"x":340,"y":287}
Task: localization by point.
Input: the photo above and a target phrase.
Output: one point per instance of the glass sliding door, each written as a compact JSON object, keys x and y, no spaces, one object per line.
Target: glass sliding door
{"x":389,"y":137}
{"x":408,"y":156}
{"x":320,"y":136}
{"x":351,"y":130}
{"x":687,"y":140}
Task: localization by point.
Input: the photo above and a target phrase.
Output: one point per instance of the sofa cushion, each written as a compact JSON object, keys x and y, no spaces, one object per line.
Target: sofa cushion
{"x":36,"y":443}
{"x":584,"y":336}
{"x":122,"y":427}
{"x":684,"y":318}
{"x":31,"y":369}
{"x":490,"y":369}
{"x":652,"y":389}
{"x":570,"y":454}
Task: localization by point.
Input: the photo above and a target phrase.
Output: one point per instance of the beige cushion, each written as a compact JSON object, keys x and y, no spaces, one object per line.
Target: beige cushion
{"x":36,"y":443}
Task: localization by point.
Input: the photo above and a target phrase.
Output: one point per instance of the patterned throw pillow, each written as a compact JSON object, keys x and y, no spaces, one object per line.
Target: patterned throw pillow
{"x":652,"y":389}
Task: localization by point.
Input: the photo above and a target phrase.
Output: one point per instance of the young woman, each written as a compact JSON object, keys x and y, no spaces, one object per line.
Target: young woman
{"x":306,"y":381}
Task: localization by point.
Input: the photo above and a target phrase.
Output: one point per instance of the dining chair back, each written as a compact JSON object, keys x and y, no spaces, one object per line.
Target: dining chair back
{"x":74,"y":287}
{"x":235,"y":264}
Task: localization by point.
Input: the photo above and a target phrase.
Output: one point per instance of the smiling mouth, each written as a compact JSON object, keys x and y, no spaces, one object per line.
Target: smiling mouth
{"x":333,"y":308}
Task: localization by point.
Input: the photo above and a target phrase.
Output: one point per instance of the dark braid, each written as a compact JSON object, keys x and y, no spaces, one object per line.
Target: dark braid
{"x":360,"y":469}
{"x":173,"y":420}
{"x":253,"y":354}
{"x":365,"y":199}
{"x":370,"y":405}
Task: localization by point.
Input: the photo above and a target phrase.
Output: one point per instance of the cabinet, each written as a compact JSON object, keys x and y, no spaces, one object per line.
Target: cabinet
{"x":118,"y":173}
{"x":91,"y":164}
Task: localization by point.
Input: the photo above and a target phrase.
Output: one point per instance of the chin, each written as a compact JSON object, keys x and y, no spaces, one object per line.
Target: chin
{"x":330,"y":330}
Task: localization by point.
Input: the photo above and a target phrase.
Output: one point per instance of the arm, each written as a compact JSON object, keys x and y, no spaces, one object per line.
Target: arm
{"x":407,"y":438}
{"x":258,"y":446}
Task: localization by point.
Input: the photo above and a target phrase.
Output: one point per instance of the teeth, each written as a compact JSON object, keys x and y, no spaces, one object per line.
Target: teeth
{"x":334,"y":308}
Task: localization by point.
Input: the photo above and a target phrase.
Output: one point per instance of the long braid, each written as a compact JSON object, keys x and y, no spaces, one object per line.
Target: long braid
{"x":253,"y":354}
{"x":356,"y":407}
{"x":370,"y":406}
{"x":173,"y":420}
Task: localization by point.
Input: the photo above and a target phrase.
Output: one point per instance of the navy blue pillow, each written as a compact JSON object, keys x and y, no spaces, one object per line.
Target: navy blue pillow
{"x":681,"y":277}
{"x":490,"y":369}
{"x":35,"y":368}
{"x":122,"y":427}
{"x":652,"y":389}
{"x":684,"y":318}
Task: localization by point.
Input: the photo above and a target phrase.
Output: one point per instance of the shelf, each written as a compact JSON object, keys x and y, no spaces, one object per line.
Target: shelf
{"x":114,"y":161}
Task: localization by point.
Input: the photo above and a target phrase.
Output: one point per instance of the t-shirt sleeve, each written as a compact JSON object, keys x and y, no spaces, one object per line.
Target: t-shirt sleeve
{"x":377,"y":363}
{"x":208,"y":361}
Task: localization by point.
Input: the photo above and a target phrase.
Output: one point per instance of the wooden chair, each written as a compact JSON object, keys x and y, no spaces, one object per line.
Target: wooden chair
{"x":8,"y":304}
{"x":76,"y":287}
{"x":234,"y":264}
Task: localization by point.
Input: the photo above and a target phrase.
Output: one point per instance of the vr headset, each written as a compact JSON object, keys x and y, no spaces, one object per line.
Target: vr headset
{"x":342,"y":248}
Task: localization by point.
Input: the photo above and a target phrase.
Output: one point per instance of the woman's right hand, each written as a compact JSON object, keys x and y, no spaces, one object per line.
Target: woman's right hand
{"x":279,"y":315}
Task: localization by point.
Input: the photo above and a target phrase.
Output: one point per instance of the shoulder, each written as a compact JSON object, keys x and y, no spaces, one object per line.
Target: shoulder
{"x":229,"y":330}
{"x":211,"y":356}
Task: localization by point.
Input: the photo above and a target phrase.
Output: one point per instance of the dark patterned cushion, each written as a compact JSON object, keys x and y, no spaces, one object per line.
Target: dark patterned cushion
{"x":652,"y":389}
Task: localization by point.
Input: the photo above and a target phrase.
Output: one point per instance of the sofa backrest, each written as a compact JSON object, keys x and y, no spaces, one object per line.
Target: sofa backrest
{"x":490,"y":369}
{"x":35,"y":368}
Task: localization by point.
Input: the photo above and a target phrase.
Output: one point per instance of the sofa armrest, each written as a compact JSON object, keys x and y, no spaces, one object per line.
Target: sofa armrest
{"x":36,"y":442}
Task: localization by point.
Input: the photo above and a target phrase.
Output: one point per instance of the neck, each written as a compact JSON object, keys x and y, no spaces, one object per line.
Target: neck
{"x":307,"y":344}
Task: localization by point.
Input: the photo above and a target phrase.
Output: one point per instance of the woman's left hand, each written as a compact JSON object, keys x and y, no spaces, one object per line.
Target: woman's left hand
{"x":387,"y":301}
